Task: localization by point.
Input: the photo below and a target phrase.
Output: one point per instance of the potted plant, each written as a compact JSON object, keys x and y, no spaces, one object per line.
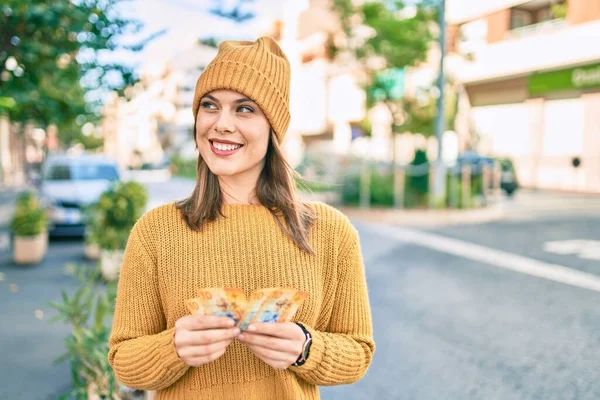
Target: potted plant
{"x":117,"y":211}
{"x":89,"y":311}
{"x":29,"y":226}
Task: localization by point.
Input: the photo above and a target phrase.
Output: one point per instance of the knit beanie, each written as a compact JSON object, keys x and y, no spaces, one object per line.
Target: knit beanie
{"x":259,"y":70}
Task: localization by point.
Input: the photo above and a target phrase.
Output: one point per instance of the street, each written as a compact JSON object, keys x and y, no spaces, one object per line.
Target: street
{"x":447,"y":324}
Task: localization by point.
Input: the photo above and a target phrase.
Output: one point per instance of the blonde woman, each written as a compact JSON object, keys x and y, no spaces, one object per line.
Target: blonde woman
{"x":242,"y":226}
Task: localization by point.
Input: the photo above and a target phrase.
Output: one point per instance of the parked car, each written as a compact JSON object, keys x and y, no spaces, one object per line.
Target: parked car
{"x":508,"y":177}
{"x":69,"y":183}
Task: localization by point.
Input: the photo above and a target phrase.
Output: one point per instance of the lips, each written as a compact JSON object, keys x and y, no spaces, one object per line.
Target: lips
{"x":224,"y":147}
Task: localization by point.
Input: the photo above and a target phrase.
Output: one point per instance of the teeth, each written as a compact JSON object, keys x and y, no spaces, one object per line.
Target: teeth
{"x":226,"y":147}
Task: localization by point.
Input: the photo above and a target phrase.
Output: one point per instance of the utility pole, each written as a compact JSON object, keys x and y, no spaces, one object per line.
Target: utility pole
{"x":439,"y":189}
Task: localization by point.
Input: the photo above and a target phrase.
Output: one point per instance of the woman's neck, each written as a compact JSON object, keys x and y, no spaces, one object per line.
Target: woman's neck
{"x":237,"y":191}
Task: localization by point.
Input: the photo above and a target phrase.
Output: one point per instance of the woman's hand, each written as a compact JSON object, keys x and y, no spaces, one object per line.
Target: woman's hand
{"x":200,"y":339}
{"x":277,"y":344}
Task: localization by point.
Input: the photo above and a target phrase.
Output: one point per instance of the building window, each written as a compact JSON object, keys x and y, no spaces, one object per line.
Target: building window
{"x":520,"y":18}
{"x":537,"y":15}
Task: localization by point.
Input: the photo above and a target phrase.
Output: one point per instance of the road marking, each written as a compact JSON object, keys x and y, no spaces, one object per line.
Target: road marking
{"x":497,"y":258}
{"x":583,"y":248}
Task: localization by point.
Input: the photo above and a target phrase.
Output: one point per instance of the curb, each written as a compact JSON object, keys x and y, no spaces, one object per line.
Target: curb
{"x":491,"y":213}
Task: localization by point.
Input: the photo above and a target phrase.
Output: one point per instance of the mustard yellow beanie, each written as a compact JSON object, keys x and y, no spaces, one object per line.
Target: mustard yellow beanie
{"x":259,"y":70}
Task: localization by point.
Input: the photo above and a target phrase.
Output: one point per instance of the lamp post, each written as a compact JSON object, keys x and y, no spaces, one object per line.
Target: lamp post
{"x":439,"y":188}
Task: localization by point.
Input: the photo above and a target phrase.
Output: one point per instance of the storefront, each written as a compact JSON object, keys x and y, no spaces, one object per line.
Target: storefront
{"x":548,"y":122}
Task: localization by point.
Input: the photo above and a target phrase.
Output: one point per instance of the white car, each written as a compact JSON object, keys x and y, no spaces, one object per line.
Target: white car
{"x":69,"y":183}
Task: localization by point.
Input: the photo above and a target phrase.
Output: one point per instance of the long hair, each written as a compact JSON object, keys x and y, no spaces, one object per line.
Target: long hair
{"x":275,"y":190}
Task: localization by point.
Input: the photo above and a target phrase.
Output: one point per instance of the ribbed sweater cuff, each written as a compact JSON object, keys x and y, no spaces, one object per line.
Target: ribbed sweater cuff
{"x":152,"y":364}
{"x":166,"y":344}
{"x":317,"y":351}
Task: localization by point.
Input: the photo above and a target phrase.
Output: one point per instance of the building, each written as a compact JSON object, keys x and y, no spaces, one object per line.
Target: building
{"x":531,"y":70}
{"x":136,"y":131}
{"x":187,"y":66}
{"x":325,"y":97}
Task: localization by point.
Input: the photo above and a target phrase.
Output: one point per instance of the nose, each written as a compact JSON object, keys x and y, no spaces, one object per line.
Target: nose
{"x":224,"y":123}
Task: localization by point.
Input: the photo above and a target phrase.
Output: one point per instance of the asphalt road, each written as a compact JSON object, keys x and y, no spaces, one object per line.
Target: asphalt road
{"x":446,"y":325}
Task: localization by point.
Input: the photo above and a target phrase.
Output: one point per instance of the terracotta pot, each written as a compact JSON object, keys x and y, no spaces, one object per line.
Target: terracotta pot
{"x":92,"y":251}
{"x":30,"y":249}
{"x":110,"y":263}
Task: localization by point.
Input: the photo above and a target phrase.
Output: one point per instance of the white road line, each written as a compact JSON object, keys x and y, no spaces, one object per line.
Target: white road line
{"x":497,"y":258}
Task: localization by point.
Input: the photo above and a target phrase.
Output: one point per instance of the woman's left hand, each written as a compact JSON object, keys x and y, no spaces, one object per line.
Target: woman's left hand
{"x":278,"y":344}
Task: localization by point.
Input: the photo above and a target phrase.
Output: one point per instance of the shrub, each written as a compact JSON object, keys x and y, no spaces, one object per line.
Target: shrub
{"x":115,"y":214}
{"x":183,"y":167}
{"x":30,"y":219}
{"x":88,"y":311}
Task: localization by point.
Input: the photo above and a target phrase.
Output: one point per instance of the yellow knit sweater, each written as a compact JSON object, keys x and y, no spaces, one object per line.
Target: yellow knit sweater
{"x":165,"y":262}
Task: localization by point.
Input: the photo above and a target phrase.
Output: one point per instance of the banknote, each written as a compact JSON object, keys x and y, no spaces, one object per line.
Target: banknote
{"x":195,"y":306}
{"x":224,"y":302}
{"x":289,"y":310}
{"x":264,"y":305}
{"x":253,"y":307}
{"x":280,"y":305}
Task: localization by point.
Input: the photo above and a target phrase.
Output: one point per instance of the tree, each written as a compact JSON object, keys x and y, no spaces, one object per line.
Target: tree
{"x":420,"y":113}
{"x":384,"y":37}
{"x":239,"y":13}
{"x":55,"y":60}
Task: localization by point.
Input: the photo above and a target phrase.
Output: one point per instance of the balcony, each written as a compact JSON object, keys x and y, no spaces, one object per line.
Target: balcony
{"x":538,"y":28}
{"x":561,"y":46}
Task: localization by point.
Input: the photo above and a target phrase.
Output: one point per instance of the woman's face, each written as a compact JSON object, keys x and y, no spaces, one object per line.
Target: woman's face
{"x":232,"y":134}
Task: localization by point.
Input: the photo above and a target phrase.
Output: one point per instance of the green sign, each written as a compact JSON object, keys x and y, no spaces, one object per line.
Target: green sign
{"x":565,"y":79}
{"x":389,"y":84}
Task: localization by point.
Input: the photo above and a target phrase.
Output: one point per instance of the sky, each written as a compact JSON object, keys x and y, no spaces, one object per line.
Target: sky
{"x":187,"y":20}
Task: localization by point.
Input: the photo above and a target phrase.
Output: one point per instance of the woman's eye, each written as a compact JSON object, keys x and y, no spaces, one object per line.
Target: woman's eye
{"x":245,"y":109}
{"x":208,"y":105}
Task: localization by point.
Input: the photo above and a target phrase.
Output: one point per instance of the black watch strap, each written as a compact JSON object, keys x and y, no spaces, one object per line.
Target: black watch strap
{"x":305,"y":348}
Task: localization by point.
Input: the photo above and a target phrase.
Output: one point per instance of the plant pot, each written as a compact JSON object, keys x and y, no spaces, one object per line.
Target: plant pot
{"x":110,"y":263}
{"x":30,"y":249}
{"x":92,"y":251}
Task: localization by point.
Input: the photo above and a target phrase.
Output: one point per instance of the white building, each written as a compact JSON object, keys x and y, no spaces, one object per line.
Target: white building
{"x":132,"y":129}
{"x":187,"y":66}
{"x":532,"y":73}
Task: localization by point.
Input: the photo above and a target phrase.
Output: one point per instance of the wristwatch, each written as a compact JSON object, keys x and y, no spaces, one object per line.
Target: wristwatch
{"x":305,"y":348}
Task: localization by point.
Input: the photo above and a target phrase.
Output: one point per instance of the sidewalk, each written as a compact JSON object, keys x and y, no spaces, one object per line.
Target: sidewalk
{"x":7,"y":204}
{"x":490,"y":213}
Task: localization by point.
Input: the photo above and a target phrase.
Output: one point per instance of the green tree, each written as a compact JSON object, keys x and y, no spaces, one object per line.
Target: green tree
{"x":382,"y":35}
{"x":420,"y":113}
{"x":55,"y":59}
{"x":385,"y":37}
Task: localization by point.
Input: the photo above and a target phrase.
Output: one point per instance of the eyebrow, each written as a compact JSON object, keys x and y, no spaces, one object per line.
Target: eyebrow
{"x":241,"y":100}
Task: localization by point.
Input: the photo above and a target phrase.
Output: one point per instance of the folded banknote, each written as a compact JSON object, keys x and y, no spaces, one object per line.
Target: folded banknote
{"x":264,"y":305}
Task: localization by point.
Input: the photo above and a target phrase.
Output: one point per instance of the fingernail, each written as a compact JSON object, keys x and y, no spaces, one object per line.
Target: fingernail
{"x":252,"y":328}
{"x":241,"y":337}
{"x":231,"y":322}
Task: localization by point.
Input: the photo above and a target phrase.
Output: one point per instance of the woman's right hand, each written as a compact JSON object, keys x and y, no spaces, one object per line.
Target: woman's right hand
{"x":200,"y":339}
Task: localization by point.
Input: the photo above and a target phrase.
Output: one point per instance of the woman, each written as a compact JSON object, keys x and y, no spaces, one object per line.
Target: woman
{"x":242,"y":226}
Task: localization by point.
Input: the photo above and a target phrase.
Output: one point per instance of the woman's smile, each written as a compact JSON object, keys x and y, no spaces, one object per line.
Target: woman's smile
{"x":224,"y":147}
